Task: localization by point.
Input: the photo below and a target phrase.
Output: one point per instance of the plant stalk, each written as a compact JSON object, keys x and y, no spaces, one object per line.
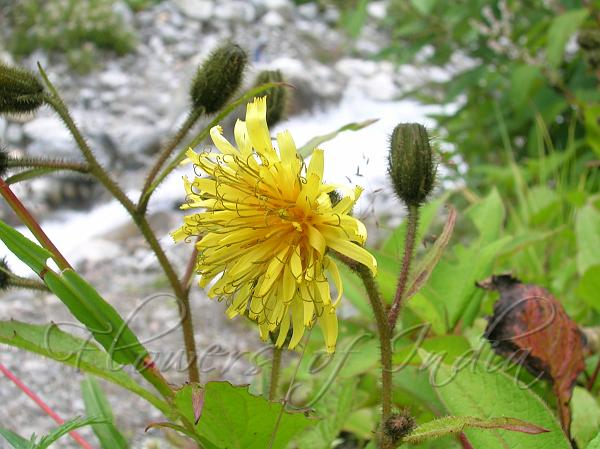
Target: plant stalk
{"x":385,"y":347}
{"x":275,"y":370}
{"x":409,"y":248}
{"x":54,"y":100}
{"x":190,"y":121}
{"x":32,"y":162}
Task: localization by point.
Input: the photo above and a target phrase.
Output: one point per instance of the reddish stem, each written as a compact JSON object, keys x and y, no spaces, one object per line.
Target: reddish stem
{"x":592,"y":379}
{"x":464,"y":442}
{"x":29,"y":221}
{"x":41,"y":404}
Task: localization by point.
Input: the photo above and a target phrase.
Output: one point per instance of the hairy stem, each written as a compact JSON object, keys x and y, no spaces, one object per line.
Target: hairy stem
{"x":385,"y":347}
{"x":190,"y":121}
{"x":275,"y":369}
{"x":29,"y":284}
{"x":55,"y":164}
{"x":181,"y":293}
{"x":409,"y":248}
{"x":54,"y":100}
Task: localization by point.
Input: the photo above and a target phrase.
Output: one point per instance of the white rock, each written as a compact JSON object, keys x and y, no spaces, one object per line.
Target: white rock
{"x":275,"y":4}
{"x":273,"y":19}
{"x":49,"y":132}
{"x":352,"y":67}
{"x":235,"y":10}
{"x":2,"y":127}
{"x":14,"y":133}
{"x":196,"y":9}
{"x":377,"y":10}
{"x":309,"y":10}
{"x":97,"y":250}
{"x":114,"y":78}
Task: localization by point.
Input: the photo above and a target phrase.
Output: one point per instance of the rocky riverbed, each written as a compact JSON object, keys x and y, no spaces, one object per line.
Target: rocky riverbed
{"x":127,"y":109}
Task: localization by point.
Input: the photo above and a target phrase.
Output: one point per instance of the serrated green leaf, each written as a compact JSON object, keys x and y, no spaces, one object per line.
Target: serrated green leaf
{"x":65,"y":428}
{"x":449,"y":425}
{"x":96,"y":404}
{"x":560,"y":31}
{"x":49,"y":341}
{"x":233,"y":418}
{"x":475,"y":391}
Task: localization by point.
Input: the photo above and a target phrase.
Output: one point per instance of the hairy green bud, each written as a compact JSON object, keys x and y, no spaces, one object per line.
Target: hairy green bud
{"x":218,"y":78}
{"x":399,"y":426}
{"x":411,"y":163}
{"x":20,"y":90}
{"x":4,"y":276}
{"x":276,"y":96}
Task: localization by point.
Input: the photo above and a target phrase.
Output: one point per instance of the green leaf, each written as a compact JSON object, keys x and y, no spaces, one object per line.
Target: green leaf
{"x":522,"y":80}
{"x":587,"y":223}
{"x":49,"y":341}
{"x":592,"y":127}
{"x":488,"y":215}
{"x":423,"y":6}
{"x":472,"y":390}
{"x":420,"y":274}
{"x":15,"y":440}
{"x":307,"y":149}
{"x":361,"y":422}
{"x":589,"y":286}
{"x":333,"y":410}
{"x":449,"y":425}
{"x":26,"y":175}
{"x":586,"y":416}
{"x":96,"y":404}
{"x":65,"y":428}
{"x":233,"y":418}
{"x":595,"y":443}
{"x":82,"y":300}
{"x":560,"y":31}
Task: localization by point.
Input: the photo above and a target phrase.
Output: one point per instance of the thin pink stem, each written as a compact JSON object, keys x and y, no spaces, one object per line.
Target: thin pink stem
{"x":41,"y":404}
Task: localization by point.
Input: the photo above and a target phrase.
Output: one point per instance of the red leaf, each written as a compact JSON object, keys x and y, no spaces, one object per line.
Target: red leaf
{"x":531,"y":327}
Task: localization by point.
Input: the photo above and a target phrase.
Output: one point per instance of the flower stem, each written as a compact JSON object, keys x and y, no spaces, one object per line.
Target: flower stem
{"x":29,"y":284}
{"x":275,"y":369}
{"x":189,"y":122}
{"x":34,"y":162}
{"x":409,"y":248}
{"x":28,"y":220}
{"x":385,"y":347}
{"x":54,"y":100}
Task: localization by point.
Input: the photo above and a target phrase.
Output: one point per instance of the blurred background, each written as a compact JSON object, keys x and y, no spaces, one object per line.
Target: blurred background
{"x":509,"y":90}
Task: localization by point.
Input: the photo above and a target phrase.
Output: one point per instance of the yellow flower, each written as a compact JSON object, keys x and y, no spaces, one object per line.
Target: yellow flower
{"x":266,"y":227}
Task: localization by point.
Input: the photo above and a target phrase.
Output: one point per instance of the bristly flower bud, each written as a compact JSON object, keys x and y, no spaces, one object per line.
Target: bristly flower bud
{"x":20,"y":90}
{"x":276,"y":96}
{"x":218,"y":78}
{"x":399,"y":426}
{"x":411,"y":163}
{"x":4,"y":276}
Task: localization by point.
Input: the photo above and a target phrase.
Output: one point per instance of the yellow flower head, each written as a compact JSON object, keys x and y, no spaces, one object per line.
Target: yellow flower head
{"x":266,"y":225}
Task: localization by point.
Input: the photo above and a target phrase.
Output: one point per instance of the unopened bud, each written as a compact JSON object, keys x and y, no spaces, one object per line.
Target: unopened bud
{"x":411,"y":164}
{"x":20,"y":90}
{"x":276,"y":96}
{"x":218,"y":78}
{"x":398,"y":426}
